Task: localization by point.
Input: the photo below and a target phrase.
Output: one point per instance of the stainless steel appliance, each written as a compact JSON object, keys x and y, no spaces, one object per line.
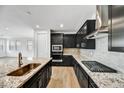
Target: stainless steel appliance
{"x":98,"y":67}
{"x":116,"y":28}
{"x":57,"y":48}
{"x":57,"y":52}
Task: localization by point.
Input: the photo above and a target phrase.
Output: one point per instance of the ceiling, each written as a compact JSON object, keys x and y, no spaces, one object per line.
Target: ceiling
{"x":21,"y":20}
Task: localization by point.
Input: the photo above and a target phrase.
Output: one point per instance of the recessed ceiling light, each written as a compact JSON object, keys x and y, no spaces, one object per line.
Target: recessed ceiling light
{"x":61,"y":25}
{"x":37,"y":26}
{"x":7,"y":28}
{"x":29,"y":13}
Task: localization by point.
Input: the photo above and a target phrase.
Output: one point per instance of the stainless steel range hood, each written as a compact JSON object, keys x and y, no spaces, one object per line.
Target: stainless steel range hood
{"x":101,"y":22}
{"x":102,"y":18}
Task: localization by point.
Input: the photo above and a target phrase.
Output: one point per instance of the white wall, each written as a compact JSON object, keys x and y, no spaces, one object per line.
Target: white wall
{"x":101,"y":54}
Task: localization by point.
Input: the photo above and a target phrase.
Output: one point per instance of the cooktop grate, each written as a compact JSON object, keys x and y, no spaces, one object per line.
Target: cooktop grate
{"x":95,"y":66}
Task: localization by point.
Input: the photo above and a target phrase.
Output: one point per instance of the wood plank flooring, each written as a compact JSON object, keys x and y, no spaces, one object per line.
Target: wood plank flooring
{"x":63,"y":77}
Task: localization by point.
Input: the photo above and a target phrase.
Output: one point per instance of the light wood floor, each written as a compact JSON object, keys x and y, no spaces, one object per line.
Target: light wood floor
{"x":63,"y":77}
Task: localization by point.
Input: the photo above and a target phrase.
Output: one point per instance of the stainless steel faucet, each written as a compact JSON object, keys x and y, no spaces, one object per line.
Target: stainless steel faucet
{"x":20,"y":59}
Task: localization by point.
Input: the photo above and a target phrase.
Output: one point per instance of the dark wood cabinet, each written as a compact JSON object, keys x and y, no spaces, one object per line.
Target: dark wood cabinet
{"x":91,"y":84}
{"x":88,"y":44}
{"x":81,"y":75}
{"x":57,"y":38}
{"x":87,"y":28}
{"x":41,"y":78}
{"x":57,"y":46}
{"x":66,"y":61}
{"x":69,"y":41}
{"x":83,"y":78}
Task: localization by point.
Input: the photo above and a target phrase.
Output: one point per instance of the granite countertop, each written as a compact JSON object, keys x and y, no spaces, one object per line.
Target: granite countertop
{"x":104,"y":80}
{"x":17,"y":81}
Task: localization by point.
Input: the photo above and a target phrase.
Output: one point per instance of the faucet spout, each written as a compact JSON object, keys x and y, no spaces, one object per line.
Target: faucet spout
{"x":20,"y":59}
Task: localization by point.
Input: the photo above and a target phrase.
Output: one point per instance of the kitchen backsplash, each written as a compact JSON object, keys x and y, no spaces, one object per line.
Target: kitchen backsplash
{"x":102,"y":55}
{"x":71,"y":51}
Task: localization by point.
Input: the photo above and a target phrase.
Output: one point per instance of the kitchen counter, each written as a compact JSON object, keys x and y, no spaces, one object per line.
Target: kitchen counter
{"x":18,"y":81}
{"x":103,"y":80}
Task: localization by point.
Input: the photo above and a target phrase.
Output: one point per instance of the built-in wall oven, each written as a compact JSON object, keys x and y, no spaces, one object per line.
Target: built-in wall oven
{"x":57,"y":52}
{"x":57,"y":48}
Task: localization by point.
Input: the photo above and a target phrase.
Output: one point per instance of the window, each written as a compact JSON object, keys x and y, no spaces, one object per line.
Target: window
{"x":12,"y":45}
{"x":18,"y":45}
{"x":29,"y":45}
{"x":1,"y":45}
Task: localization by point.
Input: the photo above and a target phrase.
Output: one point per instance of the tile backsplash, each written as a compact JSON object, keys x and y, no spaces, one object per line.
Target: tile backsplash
{"x":101,"y":54}
{"x":71,"y":51}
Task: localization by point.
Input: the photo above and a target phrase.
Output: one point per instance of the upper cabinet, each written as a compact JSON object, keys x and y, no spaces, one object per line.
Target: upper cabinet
{"x":87,"y":28}
{"x":69,"y":41}
{"x":57,"y":38}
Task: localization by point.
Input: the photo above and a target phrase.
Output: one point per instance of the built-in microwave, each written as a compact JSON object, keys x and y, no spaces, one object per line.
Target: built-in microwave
{"x":57,"y":48}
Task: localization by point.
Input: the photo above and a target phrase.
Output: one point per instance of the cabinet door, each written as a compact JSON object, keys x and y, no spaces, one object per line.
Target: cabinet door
{"x":82,"y":78}
{"x":41,"y":78}
{"x":49,"y":71}
{"x":32,"y":83}
{"x":35,"y":84}
{"x":69,"y":41}
{"x":92,"y":84}
{"x":90,"y":44}
{"x":78,"y":40}
{"x":67,"y":60}
{"x":41,"y":82}
{"x":56,"y":38}
{"x":87,"y":44}
{"x":90,"y":26}
{"x":87,"y":28}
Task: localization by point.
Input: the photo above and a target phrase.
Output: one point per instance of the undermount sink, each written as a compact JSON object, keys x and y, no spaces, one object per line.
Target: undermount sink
{"x":24,"y":70}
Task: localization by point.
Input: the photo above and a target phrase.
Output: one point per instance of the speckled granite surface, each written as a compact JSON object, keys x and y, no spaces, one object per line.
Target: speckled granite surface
{"x":17,"y":81}
{"x":104,"y":80}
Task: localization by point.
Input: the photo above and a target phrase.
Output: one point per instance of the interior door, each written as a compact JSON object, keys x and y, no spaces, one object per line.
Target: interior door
{"x":42,"y":47}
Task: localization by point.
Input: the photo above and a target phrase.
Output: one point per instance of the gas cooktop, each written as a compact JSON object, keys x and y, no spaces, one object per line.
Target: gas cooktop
{"x":95,"y":66}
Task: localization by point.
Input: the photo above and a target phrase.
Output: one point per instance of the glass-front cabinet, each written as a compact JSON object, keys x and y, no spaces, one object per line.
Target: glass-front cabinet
{"x":87,"y":28}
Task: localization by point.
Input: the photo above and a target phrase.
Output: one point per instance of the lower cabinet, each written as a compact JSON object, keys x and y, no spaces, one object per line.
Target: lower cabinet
{"x":83,"y":78}
{"x":41,"y":78}
{"x":67,"y":61}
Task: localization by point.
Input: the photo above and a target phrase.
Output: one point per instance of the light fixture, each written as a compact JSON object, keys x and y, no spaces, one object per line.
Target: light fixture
{"x":37,"y":26}
{"x":28,"y":12}
{"x":7,"y":28}
{"x":61,"y":25}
